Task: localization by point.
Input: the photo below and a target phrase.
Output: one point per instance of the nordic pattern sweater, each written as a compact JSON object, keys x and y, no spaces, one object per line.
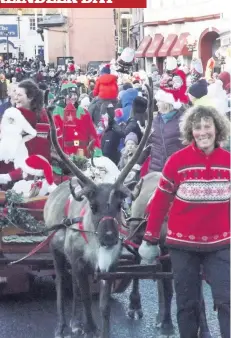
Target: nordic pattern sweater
{"x":195,"y":191}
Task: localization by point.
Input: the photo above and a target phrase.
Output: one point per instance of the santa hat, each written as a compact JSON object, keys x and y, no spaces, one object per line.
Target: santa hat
{"x":38,"y":165}
{"x":171,"y":63}
{"x":162,"y":96}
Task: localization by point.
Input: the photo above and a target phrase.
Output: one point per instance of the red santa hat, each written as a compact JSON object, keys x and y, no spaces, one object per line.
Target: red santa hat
{"x":38,"y":165}
{"x":166,"y":97}
{"x":179,"y":93}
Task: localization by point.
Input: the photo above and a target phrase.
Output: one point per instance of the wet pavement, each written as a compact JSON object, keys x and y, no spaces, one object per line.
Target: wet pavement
{"x":33,"y":315}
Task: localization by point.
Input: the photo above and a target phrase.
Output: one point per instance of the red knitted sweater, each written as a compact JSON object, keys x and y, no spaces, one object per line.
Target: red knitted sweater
{"x":195,"y":189}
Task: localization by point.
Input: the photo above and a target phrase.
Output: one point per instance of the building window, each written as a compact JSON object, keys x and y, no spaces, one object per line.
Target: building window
{"x":32,"y":23}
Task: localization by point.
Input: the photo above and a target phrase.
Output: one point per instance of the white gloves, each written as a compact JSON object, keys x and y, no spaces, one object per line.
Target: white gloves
{"x":5,"y":178}
{"x":148,"y":252}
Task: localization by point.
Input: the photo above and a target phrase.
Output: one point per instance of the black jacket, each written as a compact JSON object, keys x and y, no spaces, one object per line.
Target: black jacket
{"x":130,"y":127}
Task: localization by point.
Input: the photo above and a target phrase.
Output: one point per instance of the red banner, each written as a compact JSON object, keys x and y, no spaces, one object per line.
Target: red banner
{"x":73,"y":3}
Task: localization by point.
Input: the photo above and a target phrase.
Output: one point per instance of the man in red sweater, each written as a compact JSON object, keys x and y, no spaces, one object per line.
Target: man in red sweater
{"x":195,"y":191}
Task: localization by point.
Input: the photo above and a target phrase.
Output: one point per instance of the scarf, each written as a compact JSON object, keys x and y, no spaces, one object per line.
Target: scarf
{"x":168,"y":116}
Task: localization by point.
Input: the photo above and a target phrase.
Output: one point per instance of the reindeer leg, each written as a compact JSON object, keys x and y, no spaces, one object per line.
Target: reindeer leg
{"x":135,"y":302}
{"x":59,"y":265}
{"x":204,"y":329}
{"x":90,"y":328}
{"x":105,"y":308}
{"x":76,"y":320}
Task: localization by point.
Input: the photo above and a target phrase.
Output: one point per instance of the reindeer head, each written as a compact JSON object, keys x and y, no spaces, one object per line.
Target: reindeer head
{"x":105,"y":204}
{"x":104,"y":200}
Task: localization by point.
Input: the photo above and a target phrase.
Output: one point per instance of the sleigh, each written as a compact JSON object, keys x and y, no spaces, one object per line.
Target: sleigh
{"x":17,"y":241}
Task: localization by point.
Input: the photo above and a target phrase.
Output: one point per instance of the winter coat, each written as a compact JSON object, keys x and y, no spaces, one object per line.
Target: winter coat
{"x":132,"y":126}
{"x":205,"y":101}
{"x":109,"y":144}
{"x":106,"y":87}
{"x":122,"y":115}
{"x":163,"y":141}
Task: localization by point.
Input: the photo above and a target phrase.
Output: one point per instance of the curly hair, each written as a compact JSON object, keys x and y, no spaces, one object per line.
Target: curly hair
{"x":35,"y":94}
{"x":195,"y":114}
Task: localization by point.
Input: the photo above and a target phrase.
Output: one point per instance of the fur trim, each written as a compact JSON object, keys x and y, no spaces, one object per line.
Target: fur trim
{"x":161,"y":95}
{"x":41,"y":166}
{"x":20,"y":121}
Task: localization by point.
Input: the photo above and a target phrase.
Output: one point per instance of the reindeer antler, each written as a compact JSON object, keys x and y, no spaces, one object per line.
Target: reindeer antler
{"x":136,"y":155}
{"x":72,"y":167}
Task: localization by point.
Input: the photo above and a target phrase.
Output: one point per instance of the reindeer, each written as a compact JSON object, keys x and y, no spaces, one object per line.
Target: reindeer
{"x":98,"y":248}
{"x":142,"y":193}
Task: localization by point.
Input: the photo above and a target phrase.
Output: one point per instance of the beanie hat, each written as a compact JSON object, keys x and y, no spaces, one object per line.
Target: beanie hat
{"x":131,"y":137}
{"x":163,"y":96}
{"x":127,"y":85}
{"x":38,"y":165}
{"x":171,"y":63}
{"x":139,"y":105}
{"x":105,"y":70}
{"x":199,"y":89}
{"x":225,"y":78}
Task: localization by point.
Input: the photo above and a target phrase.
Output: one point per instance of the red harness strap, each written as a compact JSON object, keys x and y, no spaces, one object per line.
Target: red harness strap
{"x":79,"y":224}
{"x":81,"y":228}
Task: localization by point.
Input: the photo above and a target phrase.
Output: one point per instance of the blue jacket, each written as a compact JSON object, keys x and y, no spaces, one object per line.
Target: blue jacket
{"x":126,"y":100}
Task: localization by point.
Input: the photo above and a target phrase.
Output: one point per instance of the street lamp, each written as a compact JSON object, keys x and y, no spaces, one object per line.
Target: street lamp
{"x":191,"y":43}
{"x":19,"y":14}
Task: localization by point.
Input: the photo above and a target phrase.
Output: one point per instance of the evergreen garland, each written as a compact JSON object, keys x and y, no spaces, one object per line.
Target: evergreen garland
{"x":11,"y":214}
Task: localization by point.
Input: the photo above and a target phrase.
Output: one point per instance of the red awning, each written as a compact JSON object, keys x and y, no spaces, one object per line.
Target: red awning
{"x":180,"y":47}
{"x":140,"y":53}
{"x":155,"y":46}
{"x":167,"y":46}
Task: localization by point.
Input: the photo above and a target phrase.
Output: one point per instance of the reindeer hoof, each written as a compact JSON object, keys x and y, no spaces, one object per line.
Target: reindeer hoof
{"x":92,"y":334}
{"x":135,"y":313}
{"x":62,"y":332}
{"x":167,"y":329}
{"x":76,"y":332}
{"x":205,"y":335}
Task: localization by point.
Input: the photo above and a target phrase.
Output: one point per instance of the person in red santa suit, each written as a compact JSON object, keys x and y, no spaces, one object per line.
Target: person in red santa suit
{"x":174,"y":81}
{"x":29,"y":102}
